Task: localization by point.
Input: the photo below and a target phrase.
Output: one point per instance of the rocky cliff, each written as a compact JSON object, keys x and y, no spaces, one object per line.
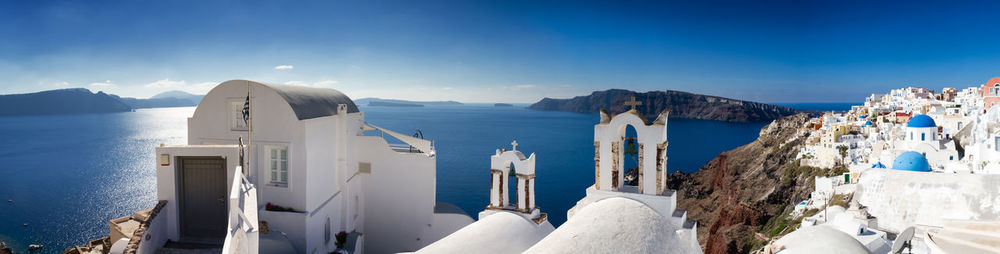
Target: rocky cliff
{"x":741,"y":198}
{"x":63,"y":101}
{"x":681,"y":105}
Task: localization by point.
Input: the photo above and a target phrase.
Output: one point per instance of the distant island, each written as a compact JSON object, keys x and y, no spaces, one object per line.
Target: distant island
{"x":392,"y":104}
{"x":403,"y":103}
{"x":681,"y":104}
{"x":59,"y":102}
{"x":503,"y":105}
{"x":82,"y":101}
{"x":164,"y":100}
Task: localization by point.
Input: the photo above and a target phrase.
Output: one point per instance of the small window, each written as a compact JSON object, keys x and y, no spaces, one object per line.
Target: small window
{"x":236,"y":115}
{"x":278,"y":165}
{"x":923,"y":136}
{"x":951,"y":158}
{"x":911,"y":135}
{"x":996,"y":144}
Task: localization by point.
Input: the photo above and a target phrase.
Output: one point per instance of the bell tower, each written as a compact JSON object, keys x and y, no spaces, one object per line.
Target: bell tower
{"x":628,"y":138}
{"x":512,"y":184}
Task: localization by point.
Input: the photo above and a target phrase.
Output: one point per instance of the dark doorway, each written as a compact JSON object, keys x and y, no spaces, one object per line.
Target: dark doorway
{"x":202,"y":197}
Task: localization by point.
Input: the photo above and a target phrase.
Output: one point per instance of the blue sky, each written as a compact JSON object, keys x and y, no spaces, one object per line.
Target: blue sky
{"x":503,"y":51}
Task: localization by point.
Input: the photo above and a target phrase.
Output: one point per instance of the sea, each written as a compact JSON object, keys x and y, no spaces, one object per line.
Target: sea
{"x":63,"y":177}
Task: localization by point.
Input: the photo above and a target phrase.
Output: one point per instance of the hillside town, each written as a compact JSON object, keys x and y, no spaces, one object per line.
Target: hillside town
{"x":911,"y":171}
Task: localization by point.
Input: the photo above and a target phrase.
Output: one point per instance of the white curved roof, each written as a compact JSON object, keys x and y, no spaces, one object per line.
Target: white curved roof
{"x":613,"y":225}
{"x":501,"y":232}
{"x":820,"y":239}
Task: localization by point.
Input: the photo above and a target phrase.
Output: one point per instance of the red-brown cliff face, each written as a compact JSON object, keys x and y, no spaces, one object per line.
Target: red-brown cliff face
{"x":735,"y":195}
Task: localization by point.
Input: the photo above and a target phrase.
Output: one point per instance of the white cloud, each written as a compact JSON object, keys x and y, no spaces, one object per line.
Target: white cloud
{"x":284,"y":67}
{"x":325,"y":83}
{"x":524,"y":86}
{"x":101,"y":86}
{"x":447,"y":88}
{"x":166,"y":83}
{"x":296,"y":83}
{"x":195,"y":88}
{"x":322,"y":83}
{"x":104,"y":84}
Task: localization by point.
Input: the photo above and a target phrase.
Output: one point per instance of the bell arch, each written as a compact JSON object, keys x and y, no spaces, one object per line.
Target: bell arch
{"x":613,"y":143}
{"x":505,"y":165}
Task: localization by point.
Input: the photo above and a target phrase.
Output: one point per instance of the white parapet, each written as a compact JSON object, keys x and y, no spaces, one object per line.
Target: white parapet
{"x":243,"y":232}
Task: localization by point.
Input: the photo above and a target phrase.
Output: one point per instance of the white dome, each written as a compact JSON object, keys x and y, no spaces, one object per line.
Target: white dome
{"x":501,"y":232}
{"x":614,"y":225}
{"x":820,"y":239}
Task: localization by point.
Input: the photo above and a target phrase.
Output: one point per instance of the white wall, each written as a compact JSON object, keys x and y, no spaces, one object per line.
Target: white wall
{"x":901,"y":198}
{"x":156,"y":233}
{"x":399,"y":196}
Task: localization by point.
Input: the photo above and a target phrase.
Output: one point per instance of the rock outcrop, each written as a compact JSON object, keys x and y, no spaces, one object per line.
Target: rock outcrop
{"x":681,"y":105}
{"x":741,"y":198}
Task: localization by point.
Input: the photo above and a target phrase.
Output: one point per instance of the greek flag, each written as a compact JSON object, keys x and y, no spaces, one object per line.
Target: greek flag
{"x":246,"y":110}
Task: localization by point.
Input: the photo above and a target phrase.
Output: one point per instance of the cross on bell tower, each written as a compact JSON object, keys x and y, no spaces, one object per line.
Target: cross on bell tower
{"x":513,"y":145}
{"x":633,"y":103}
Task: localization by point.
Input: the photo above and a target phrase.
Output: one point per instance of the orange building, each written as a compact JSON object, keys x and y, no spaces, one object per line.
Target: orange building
{"x":991,"y":92}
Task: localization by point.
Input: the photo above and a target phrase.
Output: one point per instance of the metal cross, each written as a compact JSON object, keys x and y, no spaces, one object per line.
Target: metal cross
{"x":633,"y":103}
{"x":514,"y":144}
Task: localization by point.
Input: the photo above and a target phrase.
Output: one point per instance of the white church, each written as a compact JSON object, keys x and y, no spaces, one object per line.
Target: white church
{"x":315,"y":177}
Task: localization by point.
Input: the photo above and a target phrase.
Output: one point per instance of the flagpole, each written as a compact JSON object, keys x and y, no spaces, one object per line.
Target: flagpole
{"x":250,"y":127}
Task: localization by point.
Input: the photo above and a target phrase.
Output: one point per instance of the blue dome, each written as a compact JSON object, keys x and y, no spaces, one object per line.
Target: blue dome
{"x":878,"y":165}
{"x":869,"y":123}
{"x":921,"y":121}
{"x":911,"y":161}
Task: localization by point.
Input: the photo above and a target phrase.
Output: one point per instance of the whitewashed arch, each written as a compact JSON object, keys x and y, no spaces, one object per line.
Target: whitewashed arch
{"x":609,"y":155}
{"x":500,"y":164}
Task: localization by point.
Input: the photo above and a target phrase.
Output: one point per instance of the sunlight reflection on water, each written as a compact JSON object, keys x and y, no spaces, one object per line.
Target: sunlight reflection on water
{"x":69,"y":175}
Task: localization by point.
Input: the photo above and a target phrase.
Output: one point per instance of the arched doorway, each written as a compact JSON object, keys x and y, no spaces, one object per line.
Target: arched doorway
{"x":630,"y":154}
{"x":512,"y":186}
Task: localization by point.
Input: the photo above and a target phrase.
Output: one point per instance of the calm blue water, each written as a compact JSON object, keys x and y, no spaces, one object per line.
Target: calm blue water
{"x":69,"y":175}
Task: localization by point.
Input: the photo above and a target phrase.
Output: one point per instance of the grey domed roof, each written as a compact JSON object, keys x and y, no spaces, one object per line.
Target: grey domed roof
{"x":308,"y":102}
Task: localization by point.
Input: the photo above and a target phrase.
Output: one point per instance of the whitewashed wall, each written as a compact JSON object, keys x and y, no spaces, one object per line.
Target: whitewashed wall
{"x":399,"y":196}
{"x":900,"y":199}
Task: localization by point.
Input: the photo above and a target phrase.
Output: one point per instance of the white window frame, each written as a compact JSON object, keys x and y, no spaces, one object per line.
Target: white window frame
{"x":236,"y":114}
{"x":273,"y":162}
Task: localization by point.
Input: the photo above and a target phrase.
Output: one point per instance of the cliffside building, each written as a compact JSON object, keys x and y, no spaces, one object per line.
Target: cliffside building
{"x":311,"y":168}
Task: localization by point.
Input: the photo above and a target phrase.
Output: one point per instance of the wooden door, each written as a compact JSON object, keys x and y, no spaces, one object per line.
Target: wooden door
{"x":203,"y":201}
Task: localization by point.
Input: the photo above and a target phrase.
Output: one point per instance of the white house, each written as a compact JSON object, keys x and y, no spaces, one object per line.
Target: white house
{"x":311,"y":168}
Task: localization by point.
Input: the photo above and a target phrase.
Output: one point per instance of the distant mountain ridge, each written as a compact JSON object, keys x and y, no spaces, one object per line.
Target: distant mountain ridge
{"x":82,"y":101}
{"x":383,"y":102}
{"x":61,"y":101}
{"x":164,"y":100}
{"x":681,"y":104}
